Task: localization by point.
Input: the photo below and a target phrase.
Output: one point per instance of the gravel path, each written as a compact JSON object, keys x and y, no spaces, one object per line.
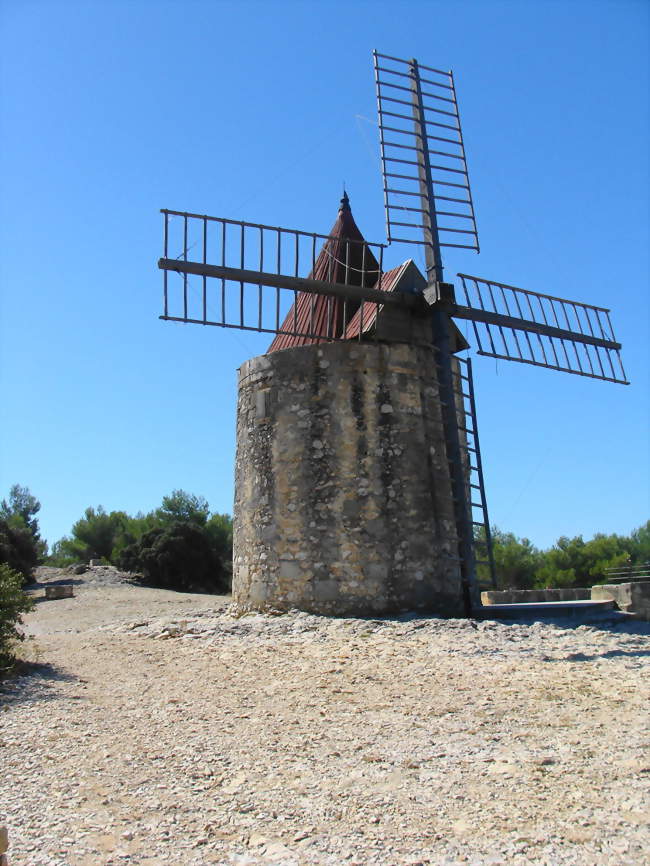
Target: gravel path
{"x":156,"y":728}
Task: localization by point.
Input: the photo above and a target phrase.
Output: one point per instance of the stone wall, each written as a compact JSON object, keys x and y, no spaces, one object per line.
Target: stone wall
{"x":528,"y":596}
{"x":343,"y":502}
{"x":632,"y":598}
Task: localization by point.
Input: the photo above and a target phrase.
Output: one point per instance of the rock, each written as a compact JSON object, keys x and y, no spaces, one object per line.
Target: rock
{"x":4,"y":839}
{"x":59,"y":591}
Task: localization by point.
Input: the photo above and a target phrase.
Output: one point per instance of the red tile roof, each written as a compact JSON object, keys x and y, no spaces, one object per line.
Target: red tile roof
{"x":321,"y":315}
{"x":390,"y":282}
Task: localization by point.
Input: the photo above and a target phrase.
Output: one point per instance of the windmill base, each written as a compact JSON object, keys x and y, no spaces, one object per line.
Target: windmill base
{"x":343,"y":501}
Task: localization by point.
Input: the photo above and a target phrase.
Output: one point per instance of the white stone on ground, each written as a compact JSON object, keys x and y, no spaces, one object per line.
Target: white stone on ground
{"x":157,"y":728}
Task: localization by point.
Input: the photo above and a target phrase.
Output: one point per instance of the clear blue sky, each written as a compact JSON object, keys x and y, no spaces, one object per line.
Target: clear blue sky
{"x":259,"y":111}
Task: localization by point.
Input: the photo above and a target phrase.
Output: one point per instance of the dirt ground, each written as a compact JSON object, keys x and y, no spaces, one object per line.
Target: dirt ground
{"x":156,"y":728}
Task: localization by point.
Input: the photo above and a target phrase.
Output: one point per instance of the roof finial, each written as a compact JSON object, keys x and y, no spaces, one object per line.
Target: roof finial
{"x":345,"y":201}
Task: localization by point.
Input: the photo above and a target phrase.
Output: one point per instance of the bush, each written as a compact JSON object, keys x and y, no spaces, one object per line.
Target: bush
{"x":17,"y":548}
{"x":21,"y":546}
{"x":13,"y":602}
{"x":219,"y":529}
{"x":179,"y":556}
{"x":93,"y":537}
{"x":516,"y":561}
{"x":570,"y":562}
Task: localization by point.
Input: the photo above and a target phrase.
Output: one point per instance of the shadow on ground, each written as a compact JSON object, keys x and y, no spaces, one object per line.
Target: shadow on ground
{"x":31,"y":682}
{"x":70,"y":581}
{"x":609,"y":654}
{"x":41,"y":598}
{"x":614,"y":622}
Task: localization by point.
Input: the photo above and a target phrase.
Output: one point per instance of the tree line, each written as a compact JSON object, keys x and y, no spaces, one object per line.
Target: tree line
{"x":183,"y":545}
{"x":180,"y":545}
{"x":570,"y":562}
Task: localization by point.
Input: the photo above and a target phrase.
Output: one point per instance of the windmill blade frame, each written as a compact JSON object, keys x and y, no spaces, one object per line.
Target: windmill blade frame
{"x":435,"y":174}
{"x":258,"y":266}
{"x":516,"y":324}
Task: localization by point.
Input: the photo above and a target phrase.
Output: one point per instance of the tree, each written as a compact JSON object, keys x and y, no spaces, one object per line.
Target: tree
{"x":17,"y":548}
{"x":117,"y":536}
{"x":640,"y":544}
{"x":183,"y":507}
{"x":94,"y":536}
{"x":219,"y":529}
{"x":130,"y":530}
{"x":13,"y":603}
{"x":604,"y":552}
{"x":21,"y":546}
{"x":516,"y":560}
{"x":575,"y":562}
{"x":177,"y":556}
{"x":570,"y":562}
{"x":22,"y":504}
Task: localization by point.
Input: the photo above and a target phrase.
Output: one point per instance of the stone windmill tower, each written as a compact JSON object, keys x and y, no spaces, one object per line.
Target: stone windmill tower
{"x":359,"y":485}
{"x":343,"y":497}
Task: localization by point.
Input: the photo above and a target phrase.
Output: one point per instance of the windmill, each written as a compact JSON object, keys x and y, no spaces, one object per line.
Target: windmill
{"x":348,"y":294}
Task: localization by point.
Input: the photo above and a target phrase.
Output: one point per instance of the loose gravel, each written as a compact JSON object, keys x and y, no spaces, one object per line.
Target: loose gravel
{"x":156,"y":727}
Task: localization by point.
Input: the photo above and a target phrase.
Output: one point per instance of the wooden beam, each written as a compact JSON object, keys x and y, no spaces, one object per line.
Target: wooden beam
{"x":301,"y":284}
{"x":499,"y":320}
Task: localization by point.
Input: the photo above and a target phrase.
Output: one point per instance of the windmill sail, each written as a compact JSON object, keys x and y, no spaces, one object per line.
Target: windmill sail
{"x":427,"y":193}
{"x":235,"y":274}
{"x":546,"y":331}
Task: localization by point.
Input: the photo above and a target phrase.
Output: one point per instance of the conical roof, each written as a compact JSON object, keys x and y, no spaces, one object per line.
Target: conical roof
{"x":345,"y":258}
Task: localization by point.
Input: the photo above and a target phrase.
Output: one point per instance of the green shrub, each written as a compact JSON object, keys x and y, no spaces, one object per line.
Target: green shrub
{"x":21,"y":546}
{"x":93,"y":537}
{"x":13,"y":602}
{"x":179,"y":556}
{"x":17,"y":548}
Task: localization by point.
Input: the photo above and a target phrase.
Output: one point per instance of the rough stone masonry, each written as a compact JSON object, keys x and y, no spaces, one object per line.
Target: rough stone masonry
{"x":343,"y":498}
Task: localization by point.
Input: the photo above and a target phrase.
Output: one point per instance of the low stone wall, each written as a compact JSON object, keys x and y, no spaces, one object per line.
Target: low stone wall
{"x":631,"y":598}
{"x":532,"y":596}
